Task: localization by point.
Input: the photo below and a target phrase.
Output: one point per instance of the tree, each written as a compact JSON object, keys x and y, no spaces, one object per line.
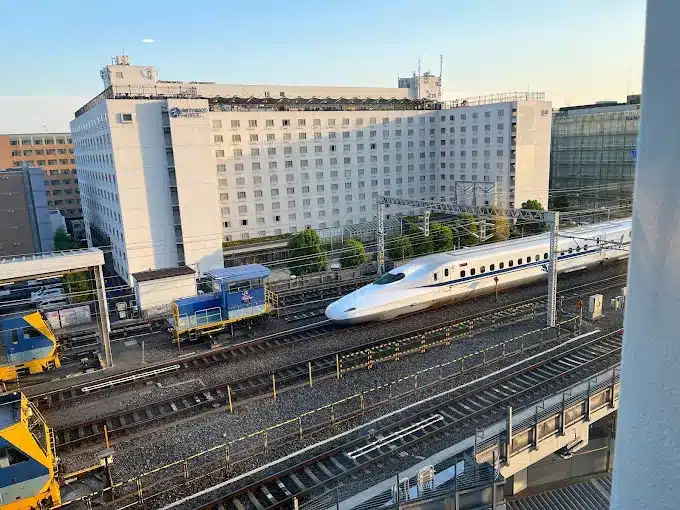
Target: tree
{"x":354,"y":254}
{"x":501,"y":228}
{"x":399,"y":248}
{"x":78,"y":287}
{"x":62,"y":241}
{"x":533,"y":227}
{"x":466,"y":229}
{"x":421,"y":245}
{"x":442,"y":237}
{"x":306,"y":253}
{"x":559,"y":203}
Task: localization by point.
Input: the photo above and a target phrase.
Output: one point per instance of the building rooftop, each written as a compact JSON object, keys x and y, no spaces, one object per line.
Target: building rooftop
{"x":239,"y":273}
{"x":159,"y":274}
{"x":593,"y":494}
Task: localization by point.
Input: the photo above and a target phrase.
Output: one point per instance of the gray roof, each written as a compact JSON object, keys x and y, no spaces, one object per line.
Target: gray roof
{"x":157,"y":274}
{"x":593,"y":494}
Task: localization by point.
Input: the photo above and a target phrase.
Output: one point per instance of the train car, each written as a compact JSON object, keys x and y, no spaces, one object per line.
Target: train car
{"x":238,"y":293}
{"x":28,"y":463}
{"x":27,"y":346}
{"x":461,"y":274}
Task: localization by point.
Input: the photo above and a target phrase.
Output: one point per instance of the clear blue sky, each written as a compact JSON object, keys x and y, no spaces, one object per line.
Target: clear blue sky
{"x":575,"y":50}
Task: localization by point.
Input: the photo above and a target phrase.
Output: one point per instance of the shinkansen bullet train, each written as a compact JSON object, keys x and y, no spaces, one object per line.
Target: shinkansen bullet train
{"x":461,"y":274}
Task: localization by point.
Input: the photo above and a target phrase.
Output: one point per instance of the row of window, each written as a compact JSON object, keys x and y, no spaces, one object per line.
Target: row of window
{"x":40,"y":152}
{"x":41,"y":140}
{"x":347,"y":160}
{"x":332,"y":135}
{"x":285,"y":123}
{"x":511,"y":262}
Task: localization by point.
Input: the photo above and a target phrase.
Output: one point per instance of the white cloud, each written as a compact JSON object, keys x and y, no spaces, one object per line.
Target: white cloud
{"x":148,"y":41}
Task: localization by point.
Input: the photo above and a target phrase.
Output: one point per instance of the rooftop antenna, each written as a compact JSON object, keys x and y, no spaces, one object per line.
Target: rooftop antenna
{"x":441,"y":65}
{"x":418,"y":85}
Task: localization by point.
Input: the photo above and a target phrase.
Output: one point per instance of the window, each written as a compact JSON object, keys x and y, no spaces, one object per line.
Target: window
{"x":491,"y":267}
{"x":501,"y":265}
{"x":218,"y":138}
{"x":254,"y":137}
{"x":285,"y":123}
{"x":462,"y":274}
{"x":272,"y":165}
{"x":271,"y":137}
{"x":275,"y":192}
{"x":235,"y":124}
{"x":388,"y":278}
{"x":269,"y":123}
{"x":218,"y":153}
{"x":302,"y":136}
{"x":499,"y":152}
{"x":237,"y":153}
{"x":241,"y":195}
{"x":256,"y":167}
{"x":537,"y":258}
{"x":288,"y":164}
{"x":510,"y":263}
{"x":519,"y":261}
{"x":255,"y":153}
{"x":242,"y":209}
{"x":472,"y":271}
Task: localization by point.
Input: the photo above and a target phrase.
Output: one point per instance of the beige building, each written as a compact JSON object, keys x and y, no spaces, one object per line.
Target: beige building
{"x":53,"y":152}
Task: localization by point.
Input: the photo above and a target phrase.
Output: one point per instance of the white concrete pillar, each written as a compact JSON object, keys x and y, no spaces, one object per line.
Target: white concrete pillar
{"x":647,"y":462}
{"x":104,"y":323}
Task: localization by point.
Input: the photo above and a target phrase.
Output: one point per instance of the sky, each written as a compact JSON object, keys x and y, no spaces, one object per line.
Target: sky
{"x":577,"y":51}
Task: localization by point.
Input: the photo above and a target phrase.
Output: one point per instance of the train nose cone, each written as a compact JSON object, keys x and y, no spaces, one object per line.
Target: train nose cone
{"x":334,"y":311}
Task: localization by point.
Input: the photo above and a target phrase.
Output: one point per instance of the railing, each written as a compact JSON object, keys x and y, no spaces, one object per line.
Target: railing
{"x":504,"y":97}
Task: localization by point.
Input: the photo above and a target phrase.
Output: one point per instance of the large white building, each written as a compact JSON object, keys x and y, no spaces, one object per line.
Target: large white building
{"x":169,"y":170}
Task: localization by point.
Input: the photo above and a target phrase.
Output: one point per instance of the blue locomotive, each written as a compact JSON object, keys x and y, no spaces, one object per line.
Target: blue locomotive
{"x":238,"y":293}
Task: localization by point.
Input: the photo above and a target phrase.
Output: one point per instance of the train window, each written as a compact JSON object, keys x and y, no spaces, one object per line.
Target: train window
{"x":519,"y":261}
{"x":501,"y":265}
{"x":492,"y":267}
{"x":510,"y":263}
{"x":538,"y":257}
{"x":545,"y":256}
{"x":15,"y":336}
{"x":446,"y":272}
{"x":482,"y":269}
{"x":585,"y":247}
{"x":434,"y":276}
{"x":472,"y":271}
{"x":598,"y":240}
{"x":561,"y":254}
{"x":462,"y":274}
{"x":578,"y":249}
{"x":31,"y":333}
{"x":571,"y":250}
{"x":388,"y":278}
{"x":10,"y":456}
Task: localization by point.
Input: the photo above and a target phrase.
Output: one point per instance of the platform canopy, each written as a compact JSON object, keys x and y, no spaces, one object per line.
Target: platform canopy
{"x":48,"y":264}
{"x":239,"y":273}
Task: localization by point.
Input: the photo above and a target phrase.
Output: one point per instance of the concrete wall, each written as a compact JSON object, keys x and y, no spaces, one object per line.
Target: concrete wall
{"x":532,"y":167}
{"x":160,"y":293}
{"x":197,"y":188}
{"x":42,"y":225}
{"x":16,"y":232}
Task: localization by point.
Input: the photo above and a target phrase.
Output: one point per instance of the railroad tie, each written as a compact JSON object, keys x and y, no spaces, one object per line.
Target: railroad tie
{"x":338,"y":465}
{"x":254,"y":501}
{"x":297,"y":482}
{"x":326,"y":471}
{"x":284,"y":489}
{"x":312,"y":476}
{"x":238,"y":504}
{"x":268,"y":494}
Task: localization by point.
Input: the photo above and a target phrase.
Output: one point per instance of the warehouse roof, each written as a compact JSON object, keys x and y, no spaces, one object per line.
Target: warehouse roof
{"x":239,"y":273}
{"x":157,"y":274}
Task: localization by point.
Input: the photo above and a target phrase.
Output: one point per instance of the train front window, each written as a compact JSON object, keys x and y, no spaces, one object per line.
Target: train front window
{"x":388,"y":278}
{"x":31,"y":333}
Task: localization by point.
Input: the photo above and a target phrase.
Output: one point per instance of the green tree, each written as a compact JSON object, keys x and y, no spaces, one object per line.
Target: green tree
{"x":466,"y":229}
{"x":354,"y":254}
{"x":78,"y":287}
{"x":501,"y":228}
{"x":531,"y":228}
{"x":306,"y":253}
{"x":559,"y":203}
{"x":62,"y":241}
{"x":399,"y":248}
{"x":442,"y":237}
{"x":421,"y":245}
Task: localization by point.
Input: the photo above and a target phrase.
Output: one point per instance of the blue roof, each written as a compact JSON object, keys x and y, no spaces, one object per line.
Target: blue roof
{"x":239,"y":273}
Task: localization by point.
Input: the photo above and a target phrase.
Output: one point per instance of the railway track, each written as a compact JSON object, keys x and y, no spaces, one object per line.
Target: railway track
{"x":235,"y":393}
{"x":55,"y":398}
{"x":356,"y":453}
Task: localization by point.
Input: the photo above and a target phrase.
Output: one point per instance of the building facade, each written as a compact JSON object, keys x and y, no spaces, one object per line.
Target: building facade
{"x":53,"y":152}
{"x":165,"y":180}
{"x":593,"y":152}
{"x":25,"y":225}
